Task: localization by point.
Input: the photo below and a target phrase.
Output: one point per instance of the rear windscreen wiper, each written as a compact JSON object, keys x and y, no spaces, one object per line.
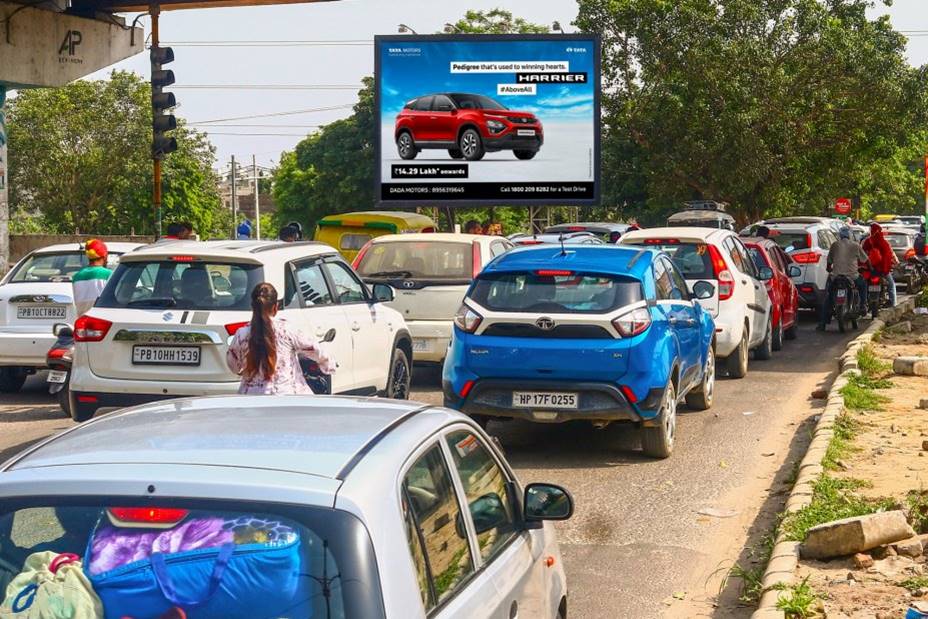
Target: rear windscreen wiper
{"x":391,"y":274}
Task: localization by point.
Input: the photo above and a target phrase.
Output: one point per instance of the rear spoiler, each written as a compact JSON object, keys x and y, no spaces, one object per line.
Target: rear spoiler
{"x":176,"y":256}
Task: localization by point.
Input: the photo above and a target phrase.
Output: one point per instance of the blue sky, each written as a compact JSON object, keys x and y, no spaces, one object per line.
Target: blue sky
{"x":406,"y":76}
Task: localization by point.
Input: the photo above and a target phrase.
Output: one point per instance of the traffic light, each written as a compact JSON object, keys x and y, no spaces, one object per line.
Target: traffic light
{"x":161,"y":103}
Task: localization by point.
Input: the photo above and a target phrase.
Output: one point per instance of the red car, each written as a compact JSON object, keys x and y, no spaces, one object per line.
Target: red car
{"x":467,"y":125}
{"x":772,"y":261}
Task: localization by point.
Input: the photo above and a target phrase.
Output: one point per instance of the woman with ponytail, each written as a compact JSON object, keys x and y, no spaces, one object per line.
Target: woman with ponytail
{"x":266,"y":352}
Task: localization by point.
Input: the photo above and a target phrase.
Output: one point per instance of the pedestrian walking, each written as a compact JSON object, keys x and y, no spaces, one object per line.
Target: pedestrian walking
{"x":90,"y":281}
{"x":287,"y":234}
{"x":266,"y":353}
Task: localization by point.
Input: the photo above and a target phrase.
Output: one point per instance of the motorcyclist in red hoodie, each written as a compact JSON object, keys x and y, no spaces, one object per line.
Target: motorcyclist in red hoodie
{"x":881,"y":257}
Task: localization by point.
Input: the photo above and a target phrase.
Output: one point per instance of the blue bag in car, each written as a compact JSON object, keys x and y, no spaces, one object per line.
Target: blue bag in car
{"x":217,"y":571}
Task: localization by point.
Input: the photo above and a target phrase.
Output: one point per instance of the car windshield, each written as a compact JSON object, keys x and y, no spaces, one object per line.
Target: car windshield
{"x":184,"y":285}
{"x":791,"y":241}
{"x":418,"y":260}
{"x":57,"y":267}
{"x":555,"y":291}
{"x":692,"y":259}
{"x":223,"y":560}
{"x":476,"y":102}
{"x":898,"y":241}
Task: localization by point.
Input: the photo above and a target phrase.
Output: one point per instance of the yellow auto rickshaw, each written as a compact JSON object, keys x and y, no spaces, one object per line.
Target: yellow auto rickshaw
{"x":349,"y":232}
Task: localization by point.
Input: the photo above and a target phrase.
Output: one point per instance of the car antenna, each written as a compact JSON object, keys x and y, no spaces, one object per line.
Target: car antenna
{"x":560,"y":238}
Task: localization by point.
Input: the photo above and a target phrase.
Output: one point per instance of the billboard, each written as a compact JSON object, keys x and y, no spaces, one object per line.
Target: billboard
{"x":467,"y":120}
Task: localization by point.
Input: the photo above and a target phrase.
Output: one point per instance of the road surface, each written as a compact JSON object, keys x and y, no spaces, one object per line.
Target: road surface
{"x":637,"y":545}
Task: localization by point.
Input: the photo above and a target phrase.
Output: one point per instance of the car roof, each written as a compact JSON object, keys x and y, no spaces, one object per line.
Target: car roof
{"x":678,"y":232}
{"x":114,"y":246}
{"x":245,"y":251}
{"x":758,"y":240}
{"x":597,"y":226}
{"x":700,"y":215}
{"x":438,"y":237}
{"x":311,"y":435}
{"x":584,"y":258}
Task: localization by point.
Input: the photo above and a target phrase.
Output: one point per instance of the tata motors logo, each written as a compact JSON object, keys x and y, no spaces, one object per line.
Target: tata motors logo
{"x":67,"y":51}
{"x":544,"y":323}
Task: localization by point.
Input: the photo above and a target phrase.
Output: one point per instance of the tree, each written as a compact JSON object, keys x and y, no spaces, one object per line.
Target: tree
{"x":770,"y":105}
{"x":332,"y":170}
{"x":80,"y":161}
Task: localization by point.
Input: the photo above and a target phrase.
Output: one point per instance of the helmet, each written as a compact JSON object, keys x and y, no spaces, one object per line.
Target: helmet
{"x":96,"y":249}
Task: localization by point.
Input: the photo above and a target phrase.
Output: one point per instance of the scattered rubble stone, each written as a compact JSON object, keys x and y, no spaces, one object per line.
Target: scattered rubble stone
{"x":911,"y":366}
{"x":900,"y":327}
{"x":911,"y":547}
{"x":857,"y":534}
{"x":862,"y":561}
{"x":923,"y":404}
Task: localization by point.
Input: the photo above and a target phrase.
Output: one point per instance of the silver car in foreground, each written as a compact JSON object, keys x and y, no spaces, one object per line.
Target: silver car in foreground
{"x":362,"y":508}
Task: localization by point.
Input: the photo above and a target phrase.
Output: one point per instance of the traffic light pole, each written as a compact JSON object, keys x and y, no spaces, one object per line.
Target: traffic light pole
{"x":154,"y":10}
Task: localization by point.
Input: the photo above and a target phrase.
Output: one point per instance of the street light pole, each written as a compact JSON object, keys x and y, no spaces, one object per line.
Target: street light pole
{"x":254,"y":171}
{"x":234,"y":205}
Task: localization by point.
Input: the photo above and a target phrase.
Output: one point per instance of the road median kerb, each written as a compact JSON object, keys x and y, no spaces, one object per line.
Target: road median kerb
{"x":781,"y":569}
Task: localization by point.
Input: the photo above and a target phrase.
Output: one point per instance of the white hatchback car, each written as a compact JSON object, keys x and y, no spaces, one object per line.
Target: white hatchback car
{"x":330,"y":507}
{"x":162,"y":325}
{"x":430,"y":272}
{"x":740,"y":304}
{"x":35,"y":296}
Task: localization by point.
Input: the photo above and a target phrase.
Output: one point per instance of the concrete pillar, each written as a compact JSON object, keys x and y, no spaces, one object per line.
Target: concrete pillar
{"x":4,"y":189}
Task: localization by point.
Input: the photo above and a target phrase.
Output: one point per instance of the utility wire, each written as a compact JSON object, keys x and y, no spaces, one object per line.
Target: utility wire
{"x":277,"y":135}
{"x":268,"y":86}
{"x":262,"y":126}
{"x":273,"y":114}
{"x":283,"y":43}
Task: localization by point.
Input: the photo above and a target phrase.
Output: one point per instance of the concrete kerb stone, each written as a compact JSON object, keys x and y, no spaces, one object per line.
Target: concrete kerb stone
{"x":781,"y":570}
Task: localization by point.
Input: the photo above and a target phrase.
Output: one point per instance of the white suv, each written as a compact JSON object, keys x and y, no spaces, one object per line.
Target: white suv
{"x":35,"y":296}
{"x":740,"y":304}
{"x":162,"y":325}
{"x":807,"y":242}
{"x":431,"y":272}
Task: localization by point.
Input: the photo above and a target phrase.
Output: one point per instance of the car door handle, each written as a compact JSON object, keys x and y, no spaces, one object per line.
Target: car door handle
{"x":355,"y":326}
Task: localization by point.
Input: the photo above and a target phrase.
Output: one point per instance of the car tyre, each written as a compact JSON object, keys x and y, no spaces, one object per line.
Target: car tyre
{"x":524,"y":154}
{"x":80,"y":412}
{"x":765,"y":350}
{"x":736,"y":364}
{"x":405,"y":146}
{"x":777,"y":342}
{"x":701,"y":398}
{"x":471,"y":145}
{"x":12,"y":379}
{"x":455,"y":153}
{"x":841,"y":317}
{"x":793,"y":332}
{"x":64,"y":400}
{"x":657,"y":442}
{"x":400,"y":376}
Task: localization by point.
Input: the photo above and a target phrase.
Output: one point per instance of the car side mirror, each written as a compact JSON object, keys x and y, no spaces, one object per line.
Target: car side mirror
{"x":765,"y":273}
{"x":546,"y":502}
{"x":794,"y":271}
{"x":62,"y":330}
{"x":454,"y":112}
{"x":383,"y":293}
{"x":703,"y":290}
{"x":329,"y":336}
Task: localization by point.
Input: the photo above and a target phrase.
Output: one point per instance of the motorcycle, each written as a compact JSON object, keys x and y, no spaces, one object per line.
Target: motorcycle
{"x":877,"y":292}
{"x":915,"y":271}
{"x":58,"y":359}
{"x":319,"y":382}
{"x":846,"y":302}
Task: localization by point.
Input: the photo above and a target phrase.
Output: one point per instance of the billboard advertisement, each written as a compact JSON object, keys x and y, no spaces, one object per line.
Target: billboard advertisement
{"x":487,"y":119}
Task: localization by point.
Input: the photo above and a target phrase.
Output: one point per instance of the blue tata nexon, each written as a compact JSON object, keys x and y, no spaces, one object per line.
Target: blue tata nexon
{"x":600,"y":333}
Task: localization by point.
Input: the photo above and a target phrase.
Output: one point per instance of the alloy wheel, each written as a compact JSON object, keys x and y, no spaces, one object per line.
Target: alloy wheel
{"x":405,"y":144}
{"x":469,"y":144}
{"x":400,"y":381}
{"x":709,"y":379}
{"x":670,"y":414}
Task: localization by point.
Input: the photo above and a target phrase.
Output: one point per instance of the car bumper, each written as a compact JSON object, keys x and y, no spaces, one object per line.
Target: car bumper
{"x":25,"y":349}
{"x":119,"y":392}
{"x":511,"y":141}
{"x":728,"y":334}
{"x":430,"y":339}
{"x":596,"y":401}
{"x":810,"y":296}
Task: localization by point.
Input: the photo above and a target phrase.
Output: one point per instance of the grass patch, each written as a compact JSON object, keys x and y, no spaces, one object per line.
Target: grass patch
{"x":916,"y":503}
{"x":922,"y":299}
{"x":869,"y":364}
{"x":832,"y":499}
{"x":752,"y":577}
{"x":798,"y":601}
{"x":915,"y":583}
{"x":844,"y":430}
{"x":859,"y":397}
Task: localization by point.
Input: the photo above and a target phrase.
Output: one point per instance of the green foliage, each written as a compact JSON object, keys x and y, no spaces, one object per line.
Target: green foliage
{"x":332,"y":170}
{"x":775,"y":106}
{"x":858,"y":394}
{"x":832,"y":499}
{"x":82,"y":161}
{"x":798,"y":601}
{"x":844,"y":430}
{"x":922,"y":299}
{"x":916,"y":503}
{"x":752,"y":577}
{"x":914,"y":583}
{"x":869,"y":364}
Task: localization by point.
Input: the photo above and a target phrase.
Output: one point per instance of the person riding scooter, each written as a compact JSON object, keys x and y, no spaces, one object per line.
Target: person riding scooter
{"x":843,"y":259}
{"x":882,"y":257}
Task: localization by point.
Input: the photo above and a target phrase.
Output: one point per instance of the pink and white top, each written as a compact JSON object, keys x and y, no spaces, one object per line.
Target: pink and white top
{"x":288,"y":378}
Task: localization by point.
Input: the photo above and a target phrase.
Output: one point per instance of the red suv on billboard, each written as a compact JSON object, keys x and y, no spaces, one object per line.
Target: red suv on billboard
{"x":467,"y":125}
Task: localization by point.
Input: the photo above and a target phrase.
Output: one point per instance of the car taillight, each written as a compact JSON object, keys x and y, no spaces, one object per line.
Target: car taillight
{"x":466,"y":388}
{"x":476,"y":265}
{"x":90,"y":329}
{"x":634,"y":322}
{"x":722,"y":274}
{"x":182,"y":258}
{"x":233,"y":327}
{"x":553,"y":273}
{"x":467,"y":319}
{"x":148,"y":515}
{"x":56,"y":353}
{"x":807,"y":289}
{"x":360,"y":256}
{"x":909,"y":254}
{"x":629,"y":394}
{"x":875,"y":279}
{"x":806,"y":257}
